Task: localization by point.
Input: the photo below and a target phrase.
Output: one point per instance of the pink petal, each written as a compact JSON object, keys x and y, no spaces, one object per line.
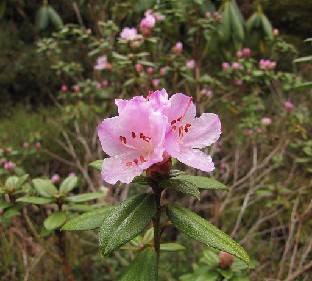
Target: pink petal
{"x":180,"y":105}
{"x":115,"y":169}
{"x":109,"y":132}
{"x":204,"y":131}
{"x":195,"y":158}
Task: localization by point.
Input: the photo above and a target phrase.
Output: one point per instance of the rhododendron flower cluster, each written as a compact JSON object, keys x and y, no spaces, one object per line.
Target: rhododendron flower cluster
{"x":151,"y":130}
{"x":102,"y":63}
{"x":267,"y":64}
{"x":130,"y":34}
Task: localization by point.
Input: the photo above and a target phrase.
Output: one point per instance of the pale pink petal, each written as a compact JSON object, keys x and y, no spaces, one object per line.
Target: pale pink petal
{"x":158,"y":99}
{"x":203,"y":131}
{"x":195,"y":158}
{"x":115,"y":169}
{"x":180,"y":106}
{"x":109,"y":133}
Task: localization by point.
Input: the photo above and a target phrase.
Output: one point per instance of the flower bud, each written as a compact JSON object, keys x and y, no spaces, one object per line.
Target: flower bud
{"x":26,"y":145}
{"x":266,"y":121}
{"x":225,"y":260}
{"x":150,"y":70}
{"x":275,"y":32}
{"x":289,"y":106}
{"x":55,"y":178}
{"x":139,"y":67}
{"x":155,"y":83}
{"x":239,"y":54}
{"x":190,"y":64}
{"x":246,"y":52}
{"x":64,"y":88}
{"x":38,"y":145}
{"x":225,"y":65}
{"x":178,"y":48}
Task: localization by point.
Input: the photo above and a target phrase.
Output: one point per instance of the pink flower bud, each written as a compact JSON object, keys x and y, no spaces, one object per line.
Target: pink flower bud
{"x":246,"y":52}
{"x":178,"y":48}
{"x":105,"y":84}
{"x":266,"y":121}
{"x":139,"y":67}
{"x":64,"y":88}
{"x":225,"y":65}
{"x":259,"y":130}
{"x":272,"y":65}
{"x":155,"y":83}
{"x":208,"y":15}
{"x":238,"y":82}
{"x":134,"y":44}
{"x":236,"y":65}
{"x":98,"y":85}
{"x":26,"y":145}
{"x":3,"y":161}
{"x":289,"y":106}
{"x":275,"y":32}
{"x":55,"y":178}
{"x":222,"y":167}
{"x":217,"y":16}
{"x":190,"y":64}
{"x":249,"y":132}
{"x":150,"y":70}
{"x":72,"y":174}
{"x":206,"y":92}
{"x":225,"y":260}
{"x":163,"y":70}
{"x":89,"y":31}
{"x":239,"y":54}
{"x":9,"y":166}
{"x":38,"y":145}
{"x":76,"y":88}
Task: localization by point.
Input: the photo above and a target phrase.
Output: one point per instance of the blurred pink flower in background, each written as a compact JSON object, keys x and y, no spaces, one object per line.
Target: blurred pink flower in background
{"x":9,"y":166}
{"x":139,"y":67}
{"x":289,"y":106}
{"x":130,"y":34}
{"x":55,"y":178}
{"x":267,"y":64}
{"x":26,"y":145}
{"x":206,"y":92}
{"x":101,"y":63}
{"x":190,"y":64}
{"x":225,"y":65}
{"x":155,"y":83}
{"x":177,"y":48}
{"x":239,"y":54}
{"x":236,"y":65}
{"x":72,"y":174}
{"x":105,"y":83}
{"x":64,"y":88}
{"x":275,"y":32}
{"x":163,"y":70}
{"x":76,"y":88}
{"x":150,"y":70}
{"x":266,"y":121}
{"x":38,"y":145}
{"x":246,"y":52}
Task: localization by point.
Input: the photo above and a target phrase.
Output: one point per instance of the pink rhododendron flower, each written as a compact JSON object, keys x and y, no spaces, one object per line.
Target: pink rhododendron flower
{"x":190,"y":64}
{"x":151,"y":130}
{"x":55,"y":178}
{"x":163,"y":70}
{"x":239,"y":54}
{"x":246,"y":52}
{"x":101,"y":63}
{"x":26,"y":145}
{"x":217,"y":16}
{"x":178,"y":48}
{"x":76,"y":88}
{"x":186,"y":134}
{"x":134,"y":140}
{"x":38,"y":145}
{"x":150,"y":70}
{"x":289,"y":106}
{"x":266,"y":121}
{"x":267,"y":64}
{"x":64,"y":88}
{"x":98,"y":85}
{"x":130,"y":34}
{"x":236,"y":65}
{"x":9,"y":166}
{"x":275,"y":32}
{"x":225,"y":65}
{"x":105,"y":83}
{"x":139,"y":67}
{"x":155,"y":83}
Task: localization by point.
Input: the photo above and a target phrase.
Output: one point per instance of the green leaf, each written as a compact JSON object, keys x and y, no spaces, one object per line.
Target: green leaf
{"x":203,"y":231}
{"x":11,"y":182}
{"x":55,"y":18}
{"x":303,"y":59}
{"x":140,"y":180}
{"x":97,"y":164}
{"x":42,"y":17}
{"x":69,"y":184}
{"x":171,"y":247}
{"x":44,"y":187}
{"x":192,"y":184}
{"x":267,"y":27}
{"x":34,"y":200}
{"x":149,"y":236}
{"x":303,"y":86}
{"x":4,"y":205}
{"x":55,"y":220}
{"x":84,"y":197}
{"x":143,"y":267}
{"x":126,"y":221}
{"x":226,"y":273}
{"x":89,"y":220}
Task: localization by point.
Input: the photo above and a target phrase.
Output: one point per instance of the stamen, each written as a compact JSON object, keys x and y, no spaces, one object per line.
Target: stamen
{"x":173,"y":122}
{"x":174,"y":128}
{"x":128,"y":164}
{"x":187,"y":125}
{"x":123,"y":139}
{"x":181,"y":131}
{"x":142,"y":159}
{"x":180,"y":118}
{"x":136,"y":161}
{"x":133,"y":135}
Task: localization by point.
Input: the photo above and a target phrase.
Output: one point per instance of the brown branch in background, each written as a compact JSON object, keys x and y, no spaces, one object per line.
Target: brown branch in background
{"x":300,"y":271}
{"x":78,"y":14}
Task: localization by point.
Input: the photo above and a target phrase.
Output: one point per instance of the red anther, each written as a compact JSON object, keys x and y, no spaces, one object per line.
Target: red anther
{"x":188,"y":125}
{"x":133,"y":135}
{"x":121,"y":138}
{"x":181,"y":131}
{"x":186,"y":129}
{"x":173,"y":121}
{"x":174,"y":128}
{"x":136,"y":161}
{"x":149,"y":94}
{"x":142,"y":159}
{"x":180,"y":118}
{"x":141,"y":136}
{"x":129,"y":164}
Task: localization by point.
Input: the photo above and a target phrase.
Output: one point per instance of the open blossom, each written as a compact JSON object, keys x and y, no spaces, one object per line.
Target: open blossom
{"x":147,"y":24}
{"x":206,"y":92}
{"x":9,"y":166}
{"x":130,"y":34}
{"x":101,"y":63}
{"x":151,"y":130}
{"x":177,"y":48}
{"x":134,"y":140}
{"x":225,"y":65}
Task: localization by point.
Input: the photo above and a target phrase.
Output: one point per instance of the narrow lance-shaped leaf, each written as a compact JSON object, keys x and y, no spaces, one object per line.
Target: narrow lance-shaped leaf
{"x":143,"y":267}
{"x":55,"y":220}
{"x":126,"y":221}
{"x":89,"y":220}
{"x":68,"y":184}
{"x":97,"y":164}
{"x":205,"y":232}
{"x":35,"y":200}
{"x":171,"y":247}
{"x":44,"y":187}
{"x":84,"y":197}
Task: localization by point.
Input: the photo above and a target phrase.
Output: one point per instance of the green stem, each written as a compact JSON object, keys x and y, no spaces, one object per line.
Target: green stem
{"x":156,"y":221}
